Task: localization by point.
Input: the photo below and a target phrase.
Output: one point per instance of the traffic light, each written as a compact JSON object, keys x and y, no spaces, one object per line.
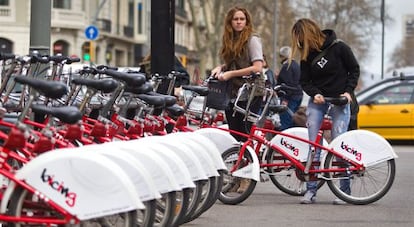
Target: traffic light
{"x":86,"y":51}
{"x":184,"y":60}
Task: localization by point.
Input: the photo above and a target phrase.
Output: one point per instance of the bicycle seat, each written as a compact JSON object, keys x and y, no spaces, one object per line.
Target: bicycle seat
{"x":50,"y":89}
{"x":106,"y":86}
{"x":66,"y":114}
{"x":132,"y":79}
{"x":156,"y":101}
{"x":147,"y":87}
{"x":169,"y":99}
{"x":175,"y":110}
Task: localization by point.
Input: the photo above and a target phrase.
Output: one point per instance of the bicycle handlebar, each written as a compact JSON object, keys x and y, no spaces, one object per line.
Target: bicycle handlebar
{"x":339,"y":101}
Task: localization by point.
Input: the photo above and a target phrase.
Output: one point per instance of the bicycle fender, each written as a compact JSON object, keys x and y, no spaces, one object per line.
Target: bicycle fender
{"x":295,"y":148}
{"x":206,"y":161}
{"x":209,"y":147}
{"x":86,"y":185}
{"x":252,"y":170}
{"x":178,"y":167}
{"x":223,"y":140}
{"x":364,"y":147}
{"x":191,"y":161}
{"x":144,"y":184}
{"x":160,"y":171}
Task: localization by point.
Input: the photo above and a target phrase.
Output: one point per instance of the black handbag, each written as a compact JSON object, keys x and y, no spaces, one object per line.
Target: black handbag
{"x":218,"y":94}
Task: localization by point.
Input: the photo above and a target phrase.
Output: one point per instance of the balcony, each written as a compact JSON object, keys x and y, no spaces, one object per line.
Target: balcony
{"x":64,"y":18}
{"x":6,"y":14}
{"x":104,"y":25}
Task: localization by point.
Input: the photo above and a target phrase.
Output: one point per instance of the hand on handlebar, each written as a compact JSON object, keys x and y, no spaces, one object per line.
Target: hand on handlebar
{"x":348,"y":96}
{"x":318,"y":99}
{"x":339,"y":101}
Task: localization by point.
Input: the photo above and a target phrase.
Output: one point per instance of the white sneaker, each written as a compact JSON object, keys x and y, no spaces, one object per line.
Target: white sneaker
{"x":308,"y":198}
{"x":339,"y":202}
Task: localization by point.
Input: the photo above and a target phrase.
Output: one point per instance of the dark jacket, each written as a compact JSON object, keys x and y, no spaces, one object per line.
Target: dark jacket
{"x":290,"y":75}
{"x":335,"y":73}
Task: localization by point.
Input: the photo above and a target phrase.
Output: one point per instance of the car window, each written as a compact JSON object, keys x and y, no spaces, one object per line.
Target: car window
{"x":400,"y":94}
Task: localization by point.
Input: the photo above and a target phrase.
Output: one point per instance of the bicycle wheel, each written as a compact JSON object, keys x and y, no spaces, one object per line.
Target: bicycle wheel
{"x":195,"y":197}
{"x":218,"y":183}
{"x":235,"y":189}
{"x":23,"y":203}
{"x":164,"y":212}
{"x":182,"y":200}
{"x":284,"y":177}
{"x":367,"y":185}
{"x":206,"y":197}
{"x":146,"y":217}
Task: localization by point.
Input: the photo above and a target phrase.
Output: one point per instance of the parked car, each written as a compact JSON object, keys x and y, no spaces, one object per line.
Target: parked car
{"x":387,"y":108}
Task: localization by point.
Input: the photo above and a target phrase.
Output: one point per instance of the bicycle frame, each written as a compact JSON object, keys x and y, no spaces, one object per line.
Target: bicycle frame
{"x":256,"y":139}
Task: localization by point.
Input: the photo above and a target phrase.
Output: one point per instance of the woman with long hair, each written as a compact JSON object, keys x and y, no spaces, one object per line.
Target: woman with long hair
{"x":242,"y":55}
{"x":328,"y":69}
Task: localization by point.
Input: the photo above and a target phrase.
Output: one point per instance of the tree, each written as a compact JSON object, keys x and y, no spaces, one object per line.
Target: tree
{"x":355,"y":21}
{"x":207,"y":18}
{"x":403,"y":56}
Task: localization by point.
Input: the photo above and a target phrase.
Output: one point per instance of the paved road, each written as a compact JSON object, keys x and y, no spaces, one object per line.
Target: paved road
{"x":270,"y":207}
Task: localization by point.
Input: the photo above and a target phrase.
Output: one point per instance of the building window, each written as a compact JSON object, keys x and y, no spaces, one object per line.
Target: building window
{"x":409,"y":27}
{"x":179,"y":4}
{"x":130,"y":13}
{"x":4,"y":2}
{"x":140,"y":18}
{"x":62,"y":4}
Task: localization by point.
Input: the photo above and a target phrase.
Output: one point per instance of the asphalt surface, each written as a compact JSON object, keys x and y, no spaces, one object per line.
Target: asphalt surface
{"x":269,"y":207}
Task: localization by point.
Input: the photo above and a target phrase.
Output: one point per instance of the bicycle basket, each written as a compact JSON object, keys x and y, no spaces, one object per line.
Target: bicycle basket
{"x":218,"y":95}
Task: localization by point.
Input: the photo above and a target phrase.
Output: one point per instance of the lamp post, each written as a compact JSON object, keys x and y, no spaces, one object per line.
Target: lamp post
{"x":382,"y":42}
{"x":40,"y":30}
{"x":274,"y":63}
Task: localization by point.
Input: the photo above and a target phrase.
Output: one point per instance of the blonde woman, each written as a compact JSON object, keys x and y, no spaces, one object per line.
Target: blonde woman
{"x":328,"y":69}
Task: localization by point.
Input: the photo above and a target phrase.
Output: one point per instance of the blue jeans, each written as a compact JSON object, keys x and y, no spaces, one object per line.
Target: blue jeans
{"x":340,"y":120}
{"x":286,"y":120}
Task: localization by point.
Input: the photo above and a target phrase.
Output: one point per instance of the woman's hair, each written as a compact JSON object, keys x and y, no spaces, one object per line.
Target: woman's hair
{"x":306,"y":36}
{"x":233,"y":43}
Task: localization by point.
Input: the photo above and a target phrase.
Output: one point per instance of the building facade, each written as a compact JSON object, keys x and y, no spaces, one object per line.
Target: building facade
{"x":124,"y":29}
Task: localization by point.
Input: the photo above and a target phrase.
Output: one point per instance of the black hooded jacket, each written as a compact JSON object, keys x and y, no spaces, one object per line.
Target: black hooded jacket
{"x":335,"y":73}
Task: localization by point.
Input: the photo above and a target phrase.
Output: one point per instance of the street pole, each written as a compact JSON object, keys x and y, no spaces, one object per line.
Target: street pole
{"x":274,"y":62}
{"x":382,"y":42}
{"x":40,"y":23}
{"x":162,"y":39}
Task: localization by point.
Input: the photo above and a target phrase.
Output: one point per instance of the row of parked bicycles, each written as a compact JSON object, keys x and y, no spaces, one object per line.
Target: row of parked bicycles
{"x":73,"y":157}
{"x":100,"y":147}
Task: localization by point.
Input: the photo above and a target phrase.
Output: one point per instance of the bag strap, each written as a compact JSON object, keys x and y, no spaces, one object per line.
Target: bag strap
{"x":323,"y":52}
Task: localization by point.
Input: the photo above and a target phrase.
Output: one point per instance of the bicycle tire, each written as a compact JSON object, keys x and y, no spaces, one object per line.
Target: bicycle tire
{"x":218,"y":183}
{"x":367,"y":186}
{"x":195,"y":197}
{"x":146,"y":217}
{"x":285,"y":178}
{"x":164,"y":212}
{"x":182,"y":200}
{"x":206,"y":197}
{"x":227,"y":195}
{"x":20,"y":198}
